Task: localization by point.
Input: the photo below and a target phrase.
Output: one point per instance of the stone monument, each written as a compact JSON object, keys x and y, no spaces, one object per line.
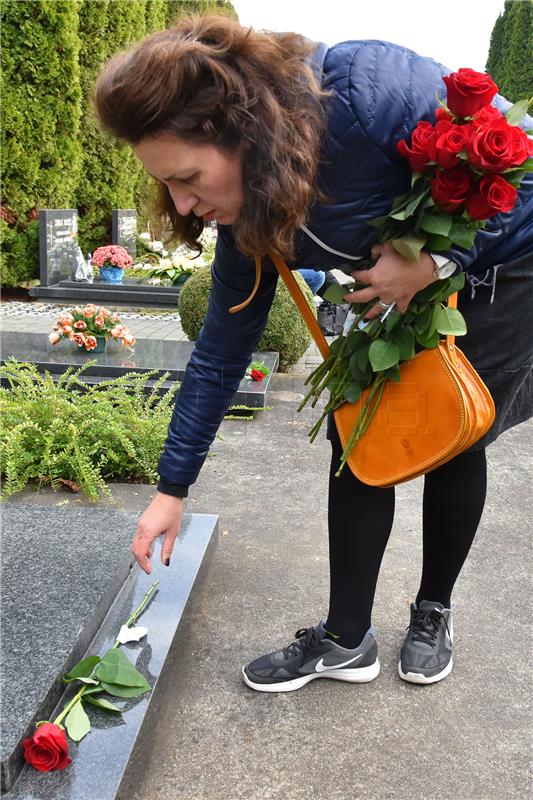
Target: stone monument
{"x":58,"y":245}
{"x":124,"y":229}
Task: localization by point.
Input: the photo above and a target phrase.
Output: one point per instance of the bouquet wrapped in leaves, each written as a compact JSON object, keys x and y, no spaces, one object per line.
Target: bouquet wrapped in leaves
{"x":466,"y":168}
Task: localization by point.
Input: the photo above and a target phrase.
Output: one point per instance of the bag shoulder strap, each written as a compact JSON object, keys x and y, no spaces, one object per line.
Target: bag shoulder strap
{"x":307,"y":314}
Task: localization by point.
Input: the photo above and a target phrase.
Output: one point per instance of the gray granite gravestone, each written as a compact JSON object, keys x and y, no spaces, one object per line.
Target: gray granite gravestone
{"x":124,"y":229}
{"x":162,"y":355}
{"x":67,"y":587}
{"x":58,"y":244}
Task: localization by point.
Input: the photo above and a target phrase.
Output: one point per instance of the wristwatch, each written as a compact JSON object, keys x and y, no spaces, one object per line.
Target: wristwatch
{"x":443,"y":268}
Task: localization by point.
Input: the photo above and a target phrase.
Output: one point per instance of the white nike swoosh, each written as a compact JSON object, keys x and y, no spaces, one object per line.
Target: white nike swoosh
{"x":321,"y":667}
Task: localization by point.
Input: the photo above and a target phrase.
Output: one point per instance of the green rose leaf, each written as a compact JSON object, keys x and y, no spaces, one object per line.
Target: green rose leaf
{"x":356,"y":340}
{"x":409,"y":247}
{"x":423,"y":319}
{"x":352,"y":392}
{"x":437,"y":242}
{"x":450,"y":321}
{"x":383,"y":354}
{"x":125,"y":691}
{"x":392,"y":320}
{"x":92,"y":690}
{"x":436,"y":223}
{"x":456,"y":283}
{"x":517,"y":112}
{"x":428,"y":340}
{"x":405,"y":339}
{"x":335,"y":293}
{"x":407,"y":208}
{"x":77,"y":722}
{"x":101,"y":702}
{"x":393,"y":373}
{"x":83,"y":669}
{"x":82,"y":680}
{"x":463,"y":235}
{"x":116,"y":668}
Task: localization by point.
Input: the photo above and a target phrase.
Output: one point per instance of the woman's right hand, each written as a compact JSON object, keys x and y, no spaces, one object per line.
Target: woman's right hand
{"x":162,"y":517}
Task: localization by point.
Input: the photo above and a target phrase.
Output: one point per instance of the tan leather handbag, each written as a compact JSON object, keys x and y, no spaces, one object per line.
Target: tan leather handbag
{"x":438,"y":409}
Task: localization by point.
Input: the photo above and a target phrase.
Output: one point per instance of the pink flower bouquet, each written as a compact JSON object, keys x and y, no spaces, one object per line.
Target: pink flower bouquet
{"x":88,"y":325}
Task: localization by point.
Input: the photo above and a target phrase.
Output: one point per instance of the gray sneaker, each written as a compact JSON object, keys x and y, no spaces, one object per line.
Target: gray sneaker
{"x":312,"y":656}
{"x":426,"y":655}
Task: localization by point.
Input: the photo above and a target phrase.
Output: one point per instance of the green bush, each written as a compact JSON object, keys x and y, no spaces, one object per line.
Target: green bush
{"x":87,"y":434}
{"x":41,"y":100}
{"x":286,"y":332}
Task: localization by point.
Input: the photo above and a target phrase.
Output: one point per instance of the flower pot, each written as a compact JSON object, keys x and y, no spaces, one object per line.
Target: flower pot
{"x":111,"y":274}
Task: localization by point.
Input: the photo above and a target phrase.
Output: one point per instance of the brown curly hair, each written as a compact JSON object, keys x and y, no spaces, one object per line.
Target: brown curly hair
{"x":210,"y":80}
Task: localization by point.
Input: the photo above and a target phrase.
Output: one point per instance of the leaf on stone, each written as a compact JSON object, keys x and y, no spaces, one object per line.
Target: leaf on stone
{"x":83,"y":669}
{"x":71,"y":486}
{"x":116,"y":668}
{"x":451,"y":322}
{"x":101,"y":702}
{"x":125,"y":691}
{"x":383,"y":354}
{"x":92,"y":690}
{"x":77,"y":722}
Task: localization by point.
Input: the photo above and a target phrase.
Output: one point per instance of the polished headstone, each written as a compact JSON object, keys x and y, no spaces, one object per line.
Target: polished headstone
{"x":58,"y":244}
{"x":56,"y":608}
{"x":162,"y":355}
{"x":124,"y":229}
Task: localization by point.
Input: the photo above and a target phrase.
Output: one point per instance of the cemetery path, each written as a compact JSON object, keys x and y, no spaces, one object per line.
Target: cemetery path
{"x":208,"y":735}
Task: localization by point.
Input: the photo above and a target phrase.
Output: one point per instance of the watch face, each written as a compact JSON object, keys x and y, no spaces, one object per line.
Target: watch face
{"x":447,"y":269}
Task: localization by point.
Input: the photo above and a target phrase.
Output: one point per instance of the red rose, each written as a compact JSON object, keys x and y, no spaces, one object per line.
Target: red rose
{"x":442,"y":114}
{"x":468,"y":91}
{"x":421,"y":149}
{"x":449,"y":142}
{"x":493,"y":194}
{"x":47,"y":749}
{"x":496,"y":146}
{"x":488,"y":114}
{"x":449,"y":187}
{"x":256,"y":375}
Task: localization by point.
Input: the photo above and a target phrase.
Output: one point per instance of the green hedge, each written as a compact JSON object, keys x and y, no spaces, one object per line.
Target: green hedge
{"x":511,"y":46}
{"x":54,"y":156}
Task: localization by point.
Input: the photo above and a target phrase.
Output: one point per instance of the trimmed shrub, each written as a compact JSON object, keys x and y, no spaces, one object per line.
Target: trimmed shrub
{"x":41,"y":151}
{"x":286,"y":332}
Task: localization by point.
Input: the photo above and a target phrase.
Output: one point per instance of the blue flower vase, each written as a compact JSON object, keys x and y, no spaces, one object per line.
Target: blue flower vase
{"x":111,"y":274}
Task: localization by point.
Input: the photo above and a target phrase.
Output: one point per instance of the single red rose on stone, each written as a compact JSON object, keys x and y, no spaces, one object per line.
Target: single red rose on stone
{"x":256,"y":375}
{"x":421,"y":149}
{"x":450,"y":187}
{"x":47,"y":749}
{"x":492,"y":196}
{"x":496,"y":146}
{"x":468,"y":91}
{"x":449,"y":143}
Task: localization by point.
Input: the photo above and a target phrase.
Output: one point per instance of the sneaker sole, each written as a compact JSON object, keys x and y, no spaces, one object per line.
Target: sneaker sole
{"x":420,"y":678}
{"x":360,"y":675}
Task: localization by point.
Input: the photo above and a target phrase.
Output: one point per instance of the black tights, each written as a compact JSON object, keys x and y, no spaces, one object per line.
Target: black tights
{"x":360,"y":520}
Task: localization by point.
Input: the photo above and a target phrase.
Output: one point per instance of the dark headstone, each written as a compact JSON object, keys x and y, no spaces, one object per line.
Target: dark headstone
{"x":65,"y":599}
{"x":58,"y":244}
{"x":124,"y":229}
{"x":161,"y":355}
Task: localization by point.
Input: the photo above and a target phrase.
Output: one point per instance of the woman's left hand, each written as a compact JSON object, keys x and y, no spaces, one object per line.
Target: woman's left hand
{"x":393,"y":279}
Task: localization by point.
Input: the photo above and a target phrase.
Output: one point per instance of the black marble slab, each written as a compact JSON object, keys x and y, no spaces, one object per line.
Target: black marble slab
{"x":51,"y":600}
{"x":163,"y":355}
{"x":129,"y":293}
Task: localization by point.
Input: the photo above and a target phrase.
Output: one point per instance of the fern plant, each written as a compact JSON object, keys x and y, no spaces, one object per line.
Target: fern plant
{"x":68,"y":430}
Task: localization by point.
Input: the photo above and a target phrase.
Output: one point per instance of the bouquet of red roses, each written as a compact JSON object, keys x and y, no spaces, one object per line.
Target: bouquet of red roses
{"x":466,"y":168}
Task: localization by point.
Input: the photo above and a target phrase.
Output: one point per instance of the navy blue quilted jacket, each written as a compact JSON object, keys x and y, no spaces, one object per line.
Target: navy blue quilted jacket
{"x":380,"y":92}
